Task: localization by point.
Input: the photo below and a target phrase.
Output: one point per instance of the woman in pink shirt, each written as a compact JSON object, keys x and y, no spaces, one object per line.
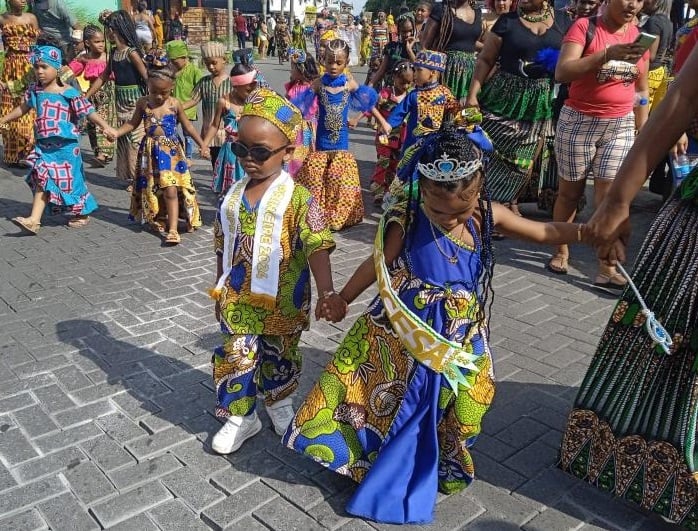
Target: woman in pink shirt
{"x":598,"y":122}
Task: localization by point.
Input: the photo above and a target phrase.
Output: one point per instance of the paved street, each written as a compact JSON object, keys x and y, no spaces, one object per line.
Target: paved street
{"x":106,"y":397}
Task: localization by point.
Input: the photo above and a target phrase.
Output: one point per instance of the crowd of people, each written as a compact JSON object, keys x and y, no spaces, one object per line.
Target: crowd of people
{"x":474,"y":112}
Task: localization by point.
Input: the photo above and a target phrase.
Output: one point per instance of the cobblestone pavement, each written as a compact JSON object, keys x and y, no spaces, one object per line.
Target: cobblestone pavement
{"x":106,"y":399}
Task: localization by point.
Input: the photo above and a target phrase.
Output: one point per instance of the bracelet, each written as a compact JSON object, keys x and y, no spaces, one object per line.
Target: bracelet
{"x":329,"y":293}
{"x":580,"y":226}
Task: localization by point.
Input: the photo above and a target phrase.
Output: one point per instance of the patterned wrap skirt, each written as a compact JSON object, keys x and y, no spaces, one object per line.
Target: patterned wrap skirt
{"x":125,"y":98}
{"x":161,"y":164}
{"x":459,"y":71}
{"x":103,"y":102}
{"x":333,"y":179}
{"x":633,"y":427}
{"x":517,"y":116}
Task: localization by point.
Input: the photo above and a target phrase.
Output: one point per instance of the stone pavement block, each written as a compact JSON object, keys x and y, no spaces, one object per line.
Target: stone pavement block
{"x":32,"y":383}
{"x":146,"y":385}
{"x":15,"y":447}
{"x":296,"y":488}
{"x":196,"y":492}
{"x":553,"y":519}
{"x":46,"y":364}
{"x":532,"y":459}
{"x":547,"y":488}
{"x":128,"y":504}
{"x":133,"y":406}
{"x":499,"y":502}
{"x":522,"y":432}
{"x":53,"y":398}
{"x":34,"y":421}
{"x":97,"y":392}
{"x":173,"y":515}
{"x":68,"y":437}
{"x":142,"y":472}
{"x":7,"y":481}
{"x":280,"y":514}
{"x":356,"y":525}
{"x":71,"y":378}
{"x":13,"y":403}
{"x":120,"y":427}
{"x":493,"y":472}
{"x":78,"y":415}
{"x":452,"y":513}
{"x":108,"y":454}
{"x":565,"y":357}
{"x":245,"y":472}
{"x":140,"y":522}
{"x":332,"y":482}
{"x":493,"y":447}
{"x":200,"y":459}
{"x":605,"y":507}
{"x":27,"y":521}
{"x":572,"y":375}
{"x":30,"y":493}
{"x":89,"y":483}
{"x":226,"y":513}
{"x":64,"y":512}
{"x":331,"y":513}
{"x":153,"y":444}
{"x":49,"y":464}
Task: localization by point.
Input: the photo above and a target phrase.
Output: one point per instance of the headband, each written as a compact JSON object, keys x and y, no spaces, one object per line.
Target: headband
{"x":50,"y":55}
{"x":243,"y":79}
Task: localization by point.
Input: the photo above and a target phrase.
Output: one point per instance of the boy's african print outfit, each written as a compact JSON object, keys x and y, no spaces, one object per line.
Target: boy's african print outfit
{"x":226,"y":168}
{"x":161,"y":164}
{"x":382,"y":418}
{"x":209,"y":94}
{"x":632,"y":431}
{"x":331,"y":173}
{"x":18,"y":137}
{"x":55,"y":159}
{"x":387,"y":154}
{"x":260,"y":341}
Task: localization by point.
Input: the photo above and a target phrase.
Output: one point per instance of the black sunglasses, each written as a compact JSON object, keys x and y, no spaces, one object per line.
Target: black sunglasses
{"x":257,"y":153}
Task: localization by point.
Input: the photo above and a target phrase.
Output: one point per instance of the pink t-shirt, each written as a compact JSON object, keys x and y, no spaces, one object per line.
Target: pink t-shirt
{"x":610,"y":91}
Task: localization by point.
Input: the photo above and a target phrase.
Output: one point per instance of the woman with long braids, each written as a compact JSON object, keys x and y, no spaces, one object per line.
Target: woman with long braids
{"x":130,"y":74}
{"x":517,"y":100}
{"x":401,"y":404}
{"x":19,"y":33}
{"x":456,"y":30}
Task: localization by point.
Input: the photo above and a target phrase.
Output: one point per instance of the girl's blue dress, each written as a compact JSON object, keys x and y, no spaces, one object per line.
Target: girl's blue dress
{"x":382,"y":418}
{"x":56,"y":161}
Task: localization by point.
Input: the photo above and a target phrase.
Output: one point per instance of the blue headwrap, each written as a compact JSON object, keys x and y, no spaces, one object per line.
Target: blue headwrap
{"x":50,"y":55}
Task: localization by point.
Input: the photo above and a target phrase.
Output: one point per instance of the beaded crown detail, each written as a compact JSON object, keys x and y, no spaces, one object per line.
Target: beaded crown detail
{"x":446,"y":169}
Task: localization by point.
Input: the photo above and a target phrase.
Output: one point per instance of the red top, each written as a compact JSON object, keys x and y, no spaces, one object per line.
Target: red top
{"x":240,"y":23}
{"x":610,"y":91}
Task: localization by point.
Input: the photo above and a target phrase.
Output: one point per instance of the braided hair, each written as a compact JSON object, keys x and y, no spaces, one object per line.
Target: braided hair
{"x":456,"y":144}
{"x":165,"y":72}
{"x":88,"y":32}
{"x":446,"y":26}
{"x":308,"y":69}
{"x":407,"y":17}
{"x":120,"y":22}
{"x":337,"y":45}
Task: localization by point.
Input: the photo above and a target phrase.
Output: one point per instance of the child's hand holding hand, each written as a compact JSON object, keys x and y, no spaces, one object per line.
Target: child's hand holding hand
{"x":386,"y":129}
{"x":205,"y":153}
{"x":353,"y":122}
{"x":331,"y":307}
{"x":111,"y":133}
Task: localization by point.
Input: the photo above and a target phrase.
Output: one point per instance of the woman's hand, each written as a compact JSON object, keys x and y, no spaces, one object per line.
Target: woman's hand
{"x":608,"y":231}
{"x":331,"y":307}
{"x":630,"y":53}
{"x":470,"y":101}
{"x":680,"y":148}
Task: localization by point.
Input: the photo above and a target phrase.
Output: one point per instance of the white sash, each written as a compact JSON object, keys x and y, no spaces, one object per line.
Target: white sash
{"x":266,"y":252}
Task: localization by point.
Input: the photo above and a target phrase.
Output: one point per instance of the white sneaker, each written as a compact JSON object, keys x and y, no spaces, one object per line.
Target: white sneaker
{"x":234,"y":432}
{"x":281,"y":414}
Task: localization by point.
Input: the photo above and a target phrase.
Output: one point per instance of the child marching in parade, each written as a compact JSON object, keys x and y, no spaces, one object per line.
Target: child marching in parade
{"x":401,"y":403}
{"x":303,"y":73}
{"x":56,"y":176}
{"x":164,"y":186}
{"x":330,"y":172}
{"x":227,"y":169}
{"x":269,"y":236}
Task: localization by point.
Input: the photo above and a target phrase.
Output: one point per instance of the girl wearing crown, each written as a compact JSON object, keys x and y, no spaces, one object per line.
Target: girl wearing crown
{"x":330,"y":172}
{"x":56,"y":176}
{"x":401,"y":403}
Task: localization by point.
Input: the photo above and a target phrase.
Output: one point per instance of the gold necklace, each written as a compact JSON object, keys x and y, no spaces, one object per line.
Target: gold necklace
{"x":453,"y":259}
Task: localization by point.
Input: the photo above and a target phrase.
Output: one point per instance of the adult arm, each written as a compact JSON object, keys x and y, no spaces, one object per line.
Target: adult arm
{"x":610,"y":222}
{"x":486,"y":61}
{"x":137,"y":62}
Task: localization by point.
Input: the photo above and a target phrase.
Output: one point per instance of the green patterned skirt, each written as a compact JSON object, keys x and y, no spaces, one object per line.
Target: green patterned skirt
{"x":517,"y":115}
{"x":632,"y":430}
{"x":459,"y":71}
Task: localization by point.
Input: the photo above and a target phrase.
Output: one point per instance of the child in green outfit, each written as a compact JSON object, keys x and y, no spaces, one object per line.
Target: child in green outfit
{"x":187,"y":76}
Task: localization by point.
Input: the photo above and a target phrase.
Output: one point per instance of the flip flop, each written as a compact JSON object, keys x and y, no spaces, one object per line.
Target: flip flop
{"x":562,"y":268}
{"x":614,"y":282}
{"x":27,"y":225}
{"x":78,"y":222}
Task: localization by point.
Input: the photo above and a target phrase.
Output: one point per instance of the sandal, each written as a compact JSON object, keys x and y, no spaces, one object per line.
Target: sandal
{"x":78,"y":222}
{"x":173,"y":238}
{"x":558,"y":264}
{"x":614,"y":282}
{"x":27,"y":224}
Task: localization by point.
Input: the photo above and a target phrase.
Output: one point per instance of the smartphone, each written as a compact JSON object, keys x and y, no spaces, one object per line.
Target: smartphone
{"x":645,"y":40}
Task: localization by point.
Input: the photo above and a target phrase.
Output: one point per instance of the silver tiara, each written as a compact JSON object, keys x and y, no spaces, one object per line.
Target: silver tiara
{"x":445,"y":169}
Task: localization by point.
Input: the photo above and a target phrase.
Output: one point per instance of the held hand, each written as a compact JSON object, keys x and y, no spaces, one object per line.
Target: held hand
{"x":111,"y":133}
{"x":680,"y":148}
{"x":332,"y":308}
{"x":630,"y":53}
{"x":353,"y":122}
{"x":386,"y":129}
{"x":205,"y":153}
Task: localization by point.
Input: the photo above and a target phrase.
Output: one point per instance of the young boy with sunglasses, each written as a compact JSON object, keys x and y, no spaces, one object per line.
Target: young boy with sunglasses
{"x":269,"y":235}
